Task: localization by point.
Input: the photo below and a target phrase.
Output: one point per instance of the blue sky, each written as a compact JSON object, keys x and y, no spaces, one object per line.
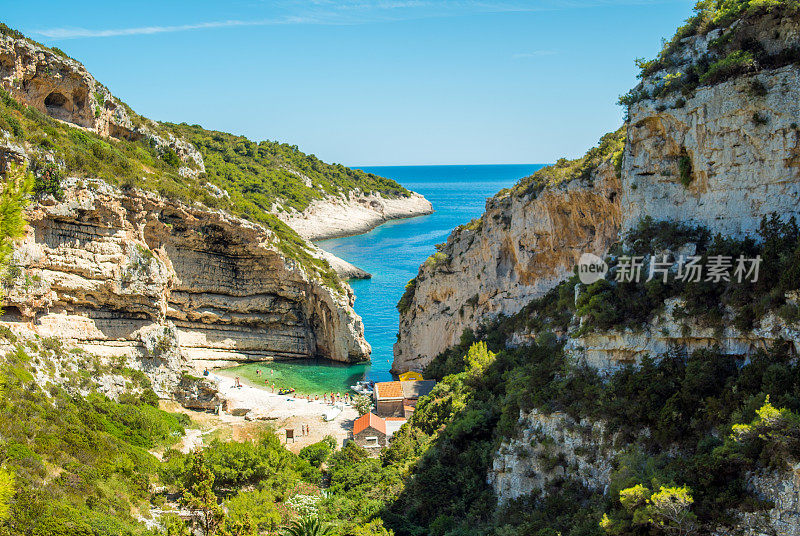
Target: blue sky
{"x":368,"y":82}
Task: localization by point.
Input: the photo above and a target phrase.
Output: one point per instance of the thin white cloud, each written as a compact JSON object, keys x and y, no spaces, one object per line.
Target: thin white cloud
{"x":534,"y":54}
{"x":347,"y":12}
{"x":76,"y":33}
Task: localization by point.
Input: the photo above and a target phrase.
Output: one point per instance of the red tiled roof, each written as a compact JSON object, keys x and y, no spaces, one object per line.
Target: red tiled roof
{"x":369,"y":420}
{"x":388,"y":390}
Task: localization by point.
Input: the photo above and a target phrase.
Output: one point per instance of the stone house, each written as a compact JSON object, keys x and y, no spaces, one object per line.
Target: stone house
{"x":369,"y":431}
{"x":398,"y":399}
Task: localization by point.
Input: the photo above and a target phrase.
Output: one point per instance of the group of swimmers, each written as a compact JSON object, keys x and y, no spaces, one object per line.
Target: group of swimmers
{"x":331,"y":398}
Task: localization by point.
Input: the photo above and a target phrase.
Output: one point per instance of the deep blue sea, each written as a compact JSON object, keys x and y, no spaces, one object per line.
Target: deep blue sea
{"x":392,"y":253}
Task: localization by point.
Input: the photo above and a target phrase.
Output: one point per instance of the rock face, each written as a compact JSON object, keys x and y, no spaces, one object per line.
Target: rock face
{"x":607,"y":351}
{"x":54,"y":84}
{"x":724,"y":157}
{"x":131,"y":273}
{"x":550,"y":447}
{"x":525,"y":243}
{"x":783,"y":490}
{"x":62,"y":88}
{"x":743,"y":151}
{"x":355,"y":214}
{"x":553,"y":446}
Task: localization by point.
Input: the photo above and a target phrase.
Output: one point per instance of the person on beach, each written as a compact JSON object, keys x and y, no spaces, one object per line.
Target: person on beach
{"x":237,"y":383}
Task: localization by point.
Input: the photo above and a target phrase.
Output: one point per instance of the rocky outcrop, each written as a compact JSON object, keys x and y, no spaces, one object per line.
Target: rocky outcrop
{"x":344,"y":269}
{"x":525,"y":243}
{"x":549,"y":447}
{"x":607,"y":351}
{"x":61,"y":87}
{"x":199,"y":394}
{"x":132,"y":273}
{"x":55,"y":85}
{"x":353,"y":214}
{"x":782,"y":489}
{"x":740,"y":155}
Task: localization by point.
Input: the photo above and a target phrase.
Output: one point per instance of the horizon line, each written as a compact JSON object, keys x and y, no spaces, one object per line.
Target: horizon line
{"x":359,"y":166}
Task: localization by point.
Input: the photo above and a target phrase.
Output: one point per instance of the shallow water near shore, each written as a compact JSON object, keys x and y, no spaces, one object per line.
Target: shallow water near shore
{"x":392,"y":253}
{"x":306,"y":376}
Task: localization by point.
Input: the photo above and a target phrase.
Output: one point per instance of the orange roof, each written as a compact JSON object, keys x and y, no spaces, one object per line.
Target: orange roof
{"x":384,"y":390}
{"x":369,"y":420}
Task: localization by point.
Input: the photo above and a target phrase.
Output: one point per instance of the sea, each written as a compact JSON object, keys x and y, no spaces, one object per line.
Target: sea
{"x":392,"y":253}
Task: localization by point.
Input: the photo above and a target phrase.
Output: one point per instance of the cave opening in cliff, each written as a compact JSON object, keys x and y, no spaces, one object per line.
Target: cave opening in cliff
{"x":55,"y":99}
{"x":55,"y":103}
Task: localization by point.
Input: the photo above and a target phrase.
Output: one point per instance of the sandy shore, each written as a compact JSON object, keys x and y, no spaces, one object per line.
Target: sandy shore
{"x":285,"y":412}
{"x":336,"y":217}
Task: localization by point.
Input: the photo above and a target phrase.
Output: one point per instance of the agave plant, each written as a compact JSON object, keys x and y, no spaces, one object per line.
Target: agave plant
{"x":307,"y":526}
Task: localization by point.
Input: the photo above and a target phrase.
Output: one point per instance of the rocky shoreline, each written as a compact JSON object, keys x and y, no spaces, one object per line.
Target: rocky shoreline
{"x":337,"y":217}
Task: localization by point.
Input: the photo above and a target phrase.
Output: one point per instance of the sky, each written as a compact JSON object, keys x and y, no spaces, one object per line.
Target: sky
{"x":371,"y":82}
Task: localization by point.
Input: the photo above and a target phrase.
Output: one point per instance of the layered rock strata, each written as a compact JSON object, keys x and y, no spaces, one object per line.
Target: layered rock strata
{"x":132,"y":273}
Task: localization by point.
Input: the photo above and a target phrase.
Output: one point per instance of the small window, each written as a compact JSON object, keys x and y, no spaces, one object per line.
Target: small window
{"x":371,"y":441}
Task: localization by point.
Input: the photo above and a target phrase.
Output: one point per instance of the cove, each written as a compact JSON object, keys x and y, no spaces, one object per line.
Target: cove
{"x":392,"y":253}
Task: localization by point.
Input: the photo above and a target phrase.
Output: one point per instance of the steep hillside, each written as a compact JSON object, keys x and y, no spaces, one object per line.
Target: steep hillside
{"x":529,"y":239}
{"x":709,"y":140}
{"x":660,"y":406}
{"x":316,"y":199}
{"x":141,"y":233}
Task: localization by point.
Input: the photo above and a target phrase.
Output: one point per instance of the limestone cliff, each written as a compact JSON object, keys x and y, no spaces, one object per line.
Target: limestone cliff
{"x":355,"y":213}
{"x":105,"y":268}
{"x":719,"y":151}
{"x":711,"y":140}
{"x":742,"y":151}
{"x":528,"y":240}
{"x":163,"y":278}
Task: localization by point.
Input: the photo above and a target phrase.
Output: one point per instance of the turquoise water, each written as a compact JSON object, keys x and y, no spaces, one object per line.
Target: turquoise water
{"x":308,"y":376}
{"x":392,"y":253}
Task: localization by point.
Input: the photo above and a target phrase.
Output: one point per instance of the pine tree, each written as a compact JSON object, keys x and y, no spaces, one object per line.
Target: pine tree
{"x":199,"y":497}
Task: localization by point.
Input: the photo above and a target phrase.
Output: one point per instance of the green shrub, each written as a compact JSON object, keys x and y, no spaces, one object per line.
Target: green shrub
{"x":685,"y":169}
{"x":736,"y":63}
{"x":408,"y":297}
{"x":47,"y":179}
{"x":317,"y":453}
